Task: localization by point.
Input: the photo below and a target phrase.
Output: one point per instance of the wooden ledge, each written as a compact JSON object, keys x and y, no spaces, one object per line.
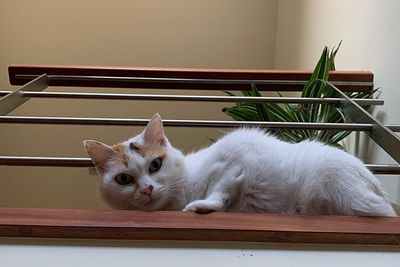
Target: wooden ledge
{"x":17,"y":75}
{"x":166,"y":225}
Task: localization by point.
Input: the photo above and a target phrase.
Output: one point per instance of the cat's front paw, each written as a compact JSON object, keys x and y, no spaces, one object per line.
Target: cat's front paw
{"x":201,"y":206}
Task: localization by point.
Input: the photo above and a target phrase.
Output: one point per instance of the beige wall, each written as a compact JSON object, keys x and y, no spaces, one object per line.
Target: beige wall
{"x":177,"y":33}
{"x":304,"y":27}
{"x":280,"y":34}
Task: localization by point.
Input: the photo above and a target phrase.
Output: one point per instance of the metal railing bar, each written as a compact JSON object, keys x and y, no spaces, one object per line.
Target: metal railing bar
{"x":393,"y":127}
{"x":384,"y":168}
{"x":199,"y":98}
{"x":86,"y":162}
{"x":184,"y":80}
{"x":14,"y":99}
{"x":381,"y":134}
{"x":45,"y":161}
{"x":184,"y":123}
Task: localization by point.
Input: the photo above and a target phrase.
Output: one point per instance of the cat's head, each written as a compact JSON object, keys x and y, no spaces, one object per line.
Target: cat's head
{"x":144,"y":172}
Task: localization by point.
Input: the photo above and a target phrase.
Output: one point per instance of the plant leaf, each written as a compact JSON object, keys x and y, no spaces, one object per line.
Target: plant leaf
{"x":316,"y":87}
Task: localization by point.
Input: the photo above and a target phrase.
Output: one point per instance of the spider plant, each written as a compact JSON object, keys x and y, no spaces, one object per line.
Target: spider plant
{"x":316,"y":87}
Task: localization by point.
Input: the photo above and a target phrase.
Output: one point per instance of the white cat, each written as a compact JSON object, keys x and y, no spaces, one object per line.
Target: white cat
{"x":247,"y":170}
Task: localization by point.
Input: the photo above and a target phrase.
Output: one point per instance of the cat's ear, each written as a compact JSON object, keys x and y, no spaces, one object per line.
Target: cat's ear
{"x":154,"y":132}
{"x":99,"y":153}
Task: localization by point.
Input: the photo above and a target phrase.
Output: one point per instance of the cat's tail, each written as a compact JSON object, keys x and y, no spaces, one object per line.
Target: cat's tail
{"x":358,"y":192}
{"x":373,"y":201}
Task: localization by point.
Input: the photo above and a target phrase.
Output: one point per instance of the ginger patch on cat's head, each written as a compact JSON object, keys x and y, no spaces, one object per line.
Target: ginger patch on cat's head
{"x":120,"y":153}
{"x":148,"y":149}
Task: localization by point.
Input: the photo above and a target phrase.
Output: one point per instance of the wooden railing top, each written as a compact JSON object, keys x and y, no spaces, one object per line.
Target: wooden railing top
{"x":21,"y":74}
{"x":168,"y":225}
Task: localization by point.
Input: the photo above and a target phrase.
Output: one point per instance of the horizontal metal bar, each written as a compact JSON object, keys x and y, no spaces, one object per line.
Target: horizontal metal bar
{"x":183,"y":80}
{"x":112,"y":96}
{"x":384,"y":168}
{"x":86,"y":162}
{"x":45,"y":161}
{"x":185,"y":123}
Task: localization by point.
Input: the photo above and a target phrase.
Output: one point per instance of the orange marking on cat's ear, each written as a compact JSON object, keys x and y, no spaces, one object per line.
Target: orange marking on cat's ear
{"x":154,"y":132}
{"x":99,"y":153}
{"x":120,"y":149}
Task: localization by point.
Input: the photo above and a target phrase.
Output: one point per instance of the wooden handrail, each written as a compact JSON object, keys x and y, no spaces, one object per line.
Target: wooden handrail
{"x":21,"y":74}
{"x":168,"y":225}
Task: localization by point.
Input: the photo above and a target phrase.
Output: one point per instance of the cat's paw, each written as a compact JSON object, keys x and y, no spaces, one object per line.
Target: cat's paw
{"x":201,"y":206}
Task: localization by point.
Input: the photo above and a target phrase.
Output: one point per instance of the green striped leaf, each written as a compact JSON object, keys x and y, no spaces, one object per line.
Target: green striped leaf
{"x":316,"y":87}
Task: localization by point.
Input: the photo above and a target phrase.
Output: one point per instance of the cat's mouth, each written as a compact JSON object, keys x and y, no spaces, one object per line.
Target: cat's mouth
{"x":150,"y":200}
{"x":153,"y":203}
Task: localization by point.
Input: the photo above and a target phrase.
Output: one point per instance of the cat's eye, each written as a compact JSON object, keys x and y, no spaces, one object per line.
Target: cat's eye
{"x":155,"y":165}
{"x":123,"y":179}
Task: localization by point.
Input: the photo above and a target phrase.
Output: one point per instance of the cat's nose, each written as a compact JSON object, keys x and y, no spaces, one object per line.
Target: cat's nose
{"x":147,"y":191}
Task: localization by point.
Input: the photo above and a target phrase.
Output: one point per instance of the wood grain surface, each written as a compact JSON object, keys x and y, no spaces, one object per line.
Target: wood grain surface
{"x":169,"y":225}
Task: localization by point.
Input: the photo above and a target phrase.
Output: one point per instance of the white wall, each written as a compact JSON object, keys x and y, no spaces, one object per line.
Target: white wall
{"x":371,"y":39}
{"x":60,"y":253}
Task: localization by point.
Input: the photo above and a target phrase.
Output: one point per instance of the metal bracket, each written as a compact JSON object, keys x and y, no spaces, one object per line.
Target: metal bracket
{"x":17,"y":98}
{"x":381,"y":134}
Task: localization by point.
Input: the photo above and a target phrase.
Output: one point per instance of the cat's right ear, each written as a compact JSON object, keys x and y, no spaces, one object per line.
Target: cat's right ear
{"x":99,"y":153}
{"x":154,"y":132}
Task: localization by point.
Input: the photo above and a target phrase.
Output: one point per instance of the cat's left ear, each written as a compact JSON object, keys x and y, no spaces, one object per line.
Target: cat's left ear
{"x":154,"y":132}
{"x":99,"y":153}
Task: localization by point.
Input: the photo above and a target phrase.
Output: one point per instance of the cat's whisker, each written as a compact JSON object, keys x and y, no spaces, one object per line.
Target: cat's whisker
{"x":177,"y":187}
{"x":178,"y":181}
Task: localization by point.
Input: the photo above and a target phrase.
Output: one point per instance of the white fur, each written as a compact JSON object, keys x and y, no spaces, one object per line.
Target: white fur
{"x":248,"y":170}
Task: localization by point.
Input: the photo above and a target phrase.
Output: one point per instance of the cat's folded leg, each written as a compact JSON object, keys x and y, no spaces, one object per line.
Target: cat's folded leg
{"x":220,"y":198}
